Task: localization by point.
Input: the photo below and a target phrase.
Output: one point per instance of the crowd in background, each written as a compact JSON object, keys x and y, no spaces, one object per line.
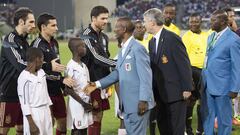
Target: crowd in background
{"x":134,"y":9}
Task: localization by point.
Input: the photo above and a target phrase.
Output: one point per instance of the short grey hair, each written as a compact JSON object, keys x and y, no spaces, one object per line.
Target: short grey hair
{"x":155,"y":15}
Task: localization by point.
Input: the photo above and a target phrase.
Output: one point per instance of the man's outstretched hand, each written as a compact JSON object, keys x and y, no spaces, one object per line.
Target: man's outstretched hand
{"x":89,"y":88}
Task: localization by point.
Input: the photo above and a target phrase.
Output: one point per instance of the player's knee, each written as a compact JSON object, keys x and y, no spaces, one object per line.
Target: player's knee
{"x":19,"y":129}
{"x":4,"y":131}
{"x":61,"y":124}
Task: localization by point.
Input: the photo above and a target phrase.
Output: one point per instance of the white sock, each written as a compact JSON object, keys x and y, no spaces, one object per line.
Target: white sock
{"x":235,"y":106}
{"x":122,"y":132}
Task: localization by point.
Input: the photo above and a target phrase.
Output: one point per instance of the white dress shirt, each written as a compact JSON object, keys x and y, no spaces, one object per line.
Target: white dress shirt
{"x":157,"y":37}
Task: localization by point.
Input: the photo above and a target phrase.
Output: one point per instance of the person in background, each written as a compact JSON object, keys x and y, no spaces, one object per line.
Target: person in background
{"x":136,"y":98}
{"x":78,"y":117}
{"x":169,"y":14}
{"x":221,"y":67}
{"x":98,"y":63}
{"x":140,"y":33}
{"x":33,"y":96}
{"x":12,"y":63}
{"x":195,"y":41}
{"x":231,"y":19}
{"x":172,"y":76}
{"x":47,"y":25}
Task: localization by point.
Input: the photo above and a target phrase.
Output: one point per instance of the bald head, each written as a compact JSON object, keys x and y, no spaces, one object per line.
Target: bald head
{"x":126,"y":22}
{"x":219,"y":20}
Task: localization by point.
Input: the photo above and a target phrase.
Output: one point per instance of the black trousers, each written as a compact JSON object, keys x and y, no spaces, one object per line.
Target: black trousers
{"x":196,"y":75}
{"x":171,"y":117}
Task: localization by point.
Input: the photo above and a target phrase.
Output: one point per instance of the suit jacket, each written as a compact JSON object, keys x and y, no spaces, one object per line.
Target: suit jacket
{"x":222,"y":73}
{"x":135,"y":77}
{"x":171,"y":68}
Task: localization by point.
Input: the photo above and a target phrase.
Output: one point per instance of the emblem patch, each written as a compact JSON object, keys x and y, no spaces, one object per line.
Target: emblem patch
{"x":128,"y":67}
{"x":164,"y":59}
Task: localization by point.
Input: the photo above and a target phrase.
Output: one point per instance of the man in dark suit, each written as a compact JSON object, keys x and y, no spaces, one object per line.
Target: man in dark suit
{"x":172,"y":77}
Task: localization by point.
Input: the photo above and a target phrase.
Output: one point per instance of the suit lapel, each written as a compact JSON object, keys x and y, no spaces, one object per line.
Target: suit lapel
{"x":222,"y":38}
{"x":126,"y":51}
{"x":160,"y":45}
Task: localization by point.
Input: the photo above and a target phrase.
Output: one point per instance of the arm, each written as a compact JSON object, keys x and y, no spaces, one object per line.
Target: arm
{"x":183,"y":64}
{"x":23,"y":93}
{"x":98,"y":59}
{"x":145,"y":76}
{"x":144,"y":73}
{"x":235,"y":65}
{"x":112,"y":78}
{"x":69,"y":90}
{"x":12,"y":55}
{"x":105,"y":82}
{"x":87,"y":107}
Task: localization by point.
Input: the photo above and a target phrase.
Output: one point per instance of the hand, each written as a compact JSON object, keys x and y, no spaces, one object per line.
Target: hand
{"x":68,"y":81}
{"x":89,"y":88}
{"x":56,"y":66}
{"x":87,"y":107}
{"x":186,"y":95}
{"x":142,"y":107}
{"x":95,"y":104}
{"x":232,"y":94}
{"x":34,"y":130}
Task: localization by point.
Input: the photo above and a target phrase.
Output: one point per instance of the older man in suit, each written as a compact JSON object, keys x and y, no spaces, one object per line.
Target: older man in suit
{"x":221,"y":75}
{"x":135,"y":79}
{"x":172,"y":77}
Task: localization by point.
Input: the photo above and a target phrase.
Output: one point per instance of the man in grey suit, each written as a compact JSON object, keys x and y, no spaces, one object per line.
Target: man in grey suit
{"x":135,"y":79}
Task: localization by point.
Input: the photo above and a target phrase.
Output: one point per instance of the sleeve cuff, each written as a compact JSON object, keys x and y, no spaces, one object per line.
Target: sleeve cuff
{"x":27,"y":111}
{"x":98,"y":84}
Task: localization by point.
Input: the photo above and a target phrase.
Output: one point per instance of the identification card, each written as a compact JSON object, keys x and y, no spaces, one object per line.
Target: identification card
{"x":128,"y":67}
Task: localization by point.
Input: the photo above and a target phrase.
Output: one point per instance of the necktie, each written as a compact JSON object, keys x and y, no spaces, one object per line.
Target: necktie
{"x":154,"y":45}
{"x":212,"y":43}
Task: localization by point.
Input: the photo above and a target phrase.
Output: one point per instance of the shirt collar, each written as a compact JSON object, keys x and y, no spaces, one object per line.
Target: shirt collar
{"x":75,"y":65}
{"x":157,"y":36}
{"x":42,"y":38}
{"x":20,"y":36}
{"x":218,"y":34}
{"x":124,"y":45}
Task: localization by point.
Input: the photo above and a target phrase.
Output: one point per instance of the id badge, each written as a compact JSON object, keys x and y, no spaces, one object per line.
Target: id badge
{"x":128,"y":67}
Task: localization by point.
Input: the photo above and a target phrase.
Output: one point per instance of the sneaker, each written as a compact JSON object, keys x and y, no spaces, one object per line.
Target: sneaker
{"x":215,"y":123}
{"x":237,"y":118}
{"x":235,"y":122}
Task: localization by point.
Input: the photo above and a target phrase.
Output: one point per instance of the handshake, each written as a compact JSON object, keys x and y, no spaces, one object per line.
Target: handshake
{"x":88,"y":89}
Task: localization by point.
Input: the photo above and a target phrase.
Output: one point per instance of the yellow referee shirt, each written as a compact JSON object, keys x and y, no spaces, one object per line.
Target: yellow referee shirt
{"x":147,"y":37}
{"x":173,"y":28}
{"x":196,"y":45}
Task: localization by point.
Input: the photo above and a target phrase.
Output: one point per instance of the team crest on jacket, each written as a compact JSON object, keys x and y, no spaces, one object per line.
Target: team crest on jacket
{"x":164,"y":59}
{"x":128,"y":67}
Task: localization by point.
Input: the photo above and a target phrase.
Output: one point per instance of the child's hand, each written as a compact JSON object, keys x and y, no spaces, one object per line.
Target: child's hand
{"x":95,"y":104}
{"x":56,"y":66}
{"x":68,"y":81}
{"x":87,"y":107}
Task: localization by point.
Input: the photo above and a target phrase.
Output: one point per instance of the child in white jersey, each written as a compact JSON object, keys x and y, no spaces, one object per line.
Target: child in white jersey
{"x":78,"y":118}
{"x":33,"y":96}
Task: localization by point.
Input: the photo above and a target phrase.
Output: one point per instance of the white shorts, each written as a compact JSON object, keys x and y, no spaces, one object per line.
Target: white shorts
{"x":76,"y":116}
{"x":42,"y":118}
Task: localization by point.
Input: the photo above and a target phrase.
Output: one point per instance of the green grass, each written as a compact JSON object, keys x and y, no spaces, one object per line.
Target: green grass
{"x":110,"y":123}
